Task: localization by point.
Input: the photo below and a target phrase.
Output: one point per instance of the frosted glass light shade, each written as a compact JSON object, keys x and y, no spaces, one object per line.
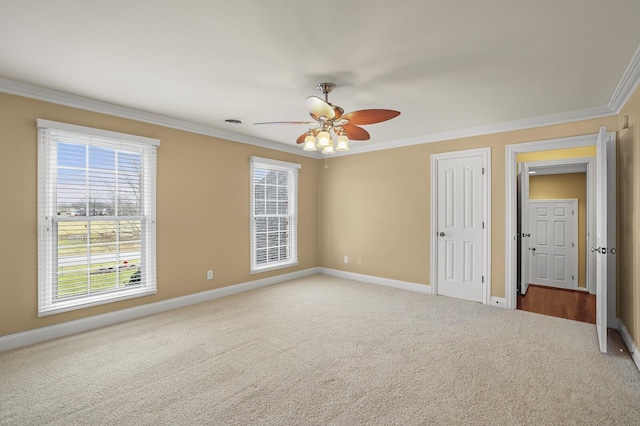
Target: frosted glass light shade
{"x":324,"y":139}
{"x":328,"y":149}
{"x":310,"y":143}
{"x":342,"y":143}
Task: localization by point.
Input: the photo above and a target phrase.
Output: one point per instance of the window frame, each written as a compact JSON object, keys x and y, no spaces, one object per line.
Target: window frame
{"x":50,"y":135}
{"x":292,"y":214}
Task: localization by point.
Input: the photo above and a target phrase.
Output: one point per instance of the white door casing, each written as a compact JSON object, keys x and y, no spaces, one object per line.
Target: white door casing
{"x":563,"y":166}
{"x":554,"y":243}
{"x":524,"y":233}
{"x":511,"y":253}
{"x":460,"y":203}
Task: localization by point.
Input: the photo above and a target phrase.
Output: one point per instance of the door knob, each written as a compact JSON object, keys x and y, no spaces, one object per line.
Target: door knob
{"x":441,"y":234}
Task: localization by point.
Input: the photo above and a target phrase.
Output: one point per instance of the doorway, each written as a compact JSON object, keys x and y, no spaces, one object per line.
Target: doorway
{"x":605,"y":221}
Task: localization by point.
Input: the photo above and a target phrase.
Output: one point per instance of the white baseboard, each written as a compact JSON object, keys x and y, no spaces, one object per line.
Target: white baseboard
{"x":499,"y":302}
{"x":25,"y":338}
{"x":633,"y":349}
{"x":370,"y":279}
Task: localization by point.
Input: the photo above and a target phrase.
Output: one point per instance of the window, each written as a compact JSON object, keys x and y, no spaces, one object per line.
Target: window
{"x":274,"y":214}
{"x":96,"y":216}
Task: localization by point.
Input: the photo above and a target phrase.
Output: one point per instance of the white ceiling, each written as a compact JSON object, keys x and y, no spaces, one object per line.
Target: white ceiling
{"x":446,"y":65}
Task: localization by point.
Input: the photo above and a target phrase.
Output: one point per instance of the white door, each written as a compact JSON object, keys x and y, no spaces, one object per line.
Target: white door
{"x":602,"y":250}
{"x":460,"y":228}
{"x":554,"y":242}
{"x":524,"y":233}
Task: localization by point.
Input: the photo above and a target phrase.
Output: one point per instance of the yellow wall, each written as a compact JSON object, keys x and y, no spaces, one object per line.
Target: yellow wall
{"x":557,"y":154}
{"x":202,"y":210}
{"x":570,"y":185}
{"x":628,"y":199}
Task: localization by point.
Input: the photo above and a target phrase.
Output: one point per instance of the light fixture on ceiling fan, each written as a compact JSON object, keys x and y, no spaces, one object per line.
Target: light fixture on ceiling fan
{"x":333,"y":129}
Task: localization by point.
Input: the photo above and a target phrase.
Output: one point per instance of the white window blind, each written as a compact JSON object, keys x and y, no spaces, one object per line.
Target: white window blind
{"x":96,"y":216}
{"x":274,"y":214}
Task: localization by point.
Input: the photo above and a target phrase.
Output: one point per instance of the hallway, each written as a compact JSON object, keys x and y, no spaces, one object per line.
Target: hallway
{"x":569,"y":304}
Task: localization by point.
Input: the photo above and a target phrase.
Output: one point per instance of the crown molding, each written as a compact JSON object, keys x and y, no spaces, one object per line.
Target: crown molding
{"x":26,"y":90}
{"x":527,"y":123}
{"x":627,"y":85}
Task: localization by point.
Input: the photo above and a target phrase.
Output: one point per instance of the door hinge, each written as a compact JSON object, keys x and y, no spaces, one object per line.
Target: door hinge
{"x":482,"y":225}
{"x":483,"y":278}
{"x":573,"y":278}
{"x":573,"y":213}
{"x":483,"y":170}
{"x":573,"y":245}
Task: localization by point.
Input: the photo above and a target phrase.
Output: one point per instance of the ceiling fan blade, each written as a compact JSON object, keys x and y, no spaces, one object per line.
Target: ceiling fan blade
{"x":301,"y":137}
{"x":370,"y":116}
{"x":288,"y":122}
{"x":319,"y":108}
{"x":356,"y":133}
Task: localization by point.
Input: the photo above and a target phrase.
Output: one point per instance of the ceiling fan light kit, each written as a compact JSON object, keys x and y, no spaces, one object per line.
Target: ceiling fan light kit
{"x":332,"y":124}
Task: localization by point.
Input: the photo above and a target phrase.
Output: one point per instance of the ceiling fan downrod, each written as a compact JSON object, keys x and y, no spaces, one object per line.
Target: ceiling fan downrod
{"x":325,"y":88}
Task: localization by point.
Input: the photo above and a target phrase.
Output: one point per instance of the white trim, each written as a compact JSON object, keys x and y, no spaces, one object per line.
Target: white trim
{"x":485,"y":153}
{"x":631,"y":346}
{"x":499,"y":302}
{"x":511,"y":208}
{"x":370,"y":279}
{"x":511,"y":152}
{"x":48,"y":95}
{"x":277,"y":163}
{"x":578,"y":165}
{"x":108,"y":134}
{"x":60,"y":98}
{"x":30,"y":337}
{"x":528,"y":123}
{"x":627,"y":84}
{"x":292,"y":172}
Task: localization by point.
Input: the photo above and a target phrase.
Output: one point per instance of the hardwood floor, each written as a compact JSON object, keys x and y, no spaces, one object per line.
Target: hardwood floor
{"x":570,"y":304}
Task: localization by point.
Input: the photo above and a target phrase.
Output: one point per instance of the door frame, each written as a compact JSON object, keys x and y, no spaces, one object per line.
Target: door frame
{"x":578,"y":165}
{"x":485,"y":153}
{"x":511,"y":152}
{"x":574,"y":232}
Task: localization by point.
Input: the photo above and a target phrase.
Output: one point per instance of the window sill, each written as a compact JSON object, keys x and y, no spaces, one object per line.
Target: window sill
{"x":86,"y":302}
{"x":272,"y":267}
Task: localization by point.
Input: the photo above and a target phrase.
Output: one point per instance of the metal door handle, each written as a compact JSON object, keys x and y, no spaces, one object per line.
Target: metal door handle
{"x":603,"y":250}
{"x":441,"y":234}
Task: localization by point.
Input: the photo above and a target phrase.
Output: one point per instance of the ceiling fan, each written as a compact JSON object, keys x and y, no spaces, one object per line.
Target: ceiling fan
{"x":331,"y":120}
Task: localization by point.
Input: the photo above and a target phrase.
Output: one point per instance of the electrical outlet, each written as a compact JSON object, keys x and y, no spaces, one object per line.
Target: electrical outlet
{"x":346,"y":259}
{"x":210,"y":274}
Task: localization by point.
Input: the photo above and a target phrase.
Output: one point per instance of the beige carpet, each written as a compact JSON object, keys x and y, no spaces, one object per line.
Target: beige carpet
{"x":323,"y":350}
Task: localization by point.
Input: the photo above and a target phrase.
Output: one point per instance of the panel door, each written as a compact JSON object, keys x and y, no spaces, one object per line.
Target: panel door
{"x":460,"y":228}
{"x":524,"y":233}
{"x":554,"y":243}
{"x":602,"y":250}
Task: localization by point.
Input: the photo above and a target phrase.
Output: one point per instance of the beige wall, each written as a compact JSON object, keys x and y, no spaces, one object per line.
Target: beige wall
{"x":563,"y":186}
{"x":376,"y":205}
{"x":628,"y":168}
{"x":202,"y":201}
